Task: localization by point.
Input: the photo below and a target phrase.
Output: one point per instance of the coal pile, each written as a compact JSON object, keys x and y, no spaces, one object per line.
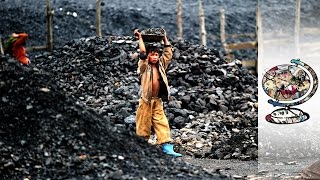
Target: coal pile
{"x":97,"y":73}
{"x":219,"y":136}
{"x":46,"y":133}
{"x":218,"y":102}
{"x":101,"y":73}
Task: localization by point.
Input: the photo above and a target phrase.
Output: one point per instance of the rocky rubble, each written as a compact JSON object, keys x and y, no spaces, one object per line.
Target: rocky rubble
{"x":209,"y":95}
{"x":45,"y":133}
{"x":219,"y":136}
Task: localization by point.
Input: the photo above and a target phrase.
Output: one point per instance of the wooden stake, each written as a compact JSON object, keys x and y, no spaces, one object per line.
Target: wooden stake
{"x":98,"y":18}
{"x":1,"y":47}
{"x":179,"y":19}
{"x":49,"y":26}
{"x":259,"y":34}
{"x":310,"y":30}
{"x":245,"y":35}
{"x":242,"y":45}
{"x":36,"y":48}
{"x":223,"y":35}
{"x":297,"y":28}
{"x":259,"y":29}
{"x":222,"y":28}
{"x":203,"y":33}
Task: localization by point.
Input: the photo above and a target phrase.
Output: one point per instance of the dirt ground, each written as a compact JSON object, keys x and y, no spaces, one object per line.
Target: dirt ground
{"x":238,"y":169}
{"x":283,"y":168}
{"x":254,"y":170}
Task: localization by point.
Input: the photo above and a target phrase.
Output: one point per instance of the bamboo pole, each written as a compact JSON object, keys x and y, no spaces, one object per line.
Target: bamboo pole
{"x":259,"y":34}
{"x":245,"y":35}
{"x":36,"y":48}
{"x":259,"y":29}
{"x":297,"y":27}
{"x":311,"y":31}
{"x":249,"y":63}
{"x":242,"y":45}
{"x":49,"y":26}
{"x":278,"y":41}
{"x":203,"y":33}
{"x":223,"y":34}
{"x":222,"y":28}
{"x":310,"y":45}
{"x":98,"y":18}
{"x":179,"y":19}
{"x":1,"y":46}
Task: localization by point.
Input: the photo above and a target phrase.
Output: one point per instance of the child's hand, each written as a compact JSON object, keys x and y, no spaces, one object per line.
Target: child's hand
{"x":164,"y":34}
{"x":137,"y":33}
{"x":15,"y":35}
{"x":28,"y":61}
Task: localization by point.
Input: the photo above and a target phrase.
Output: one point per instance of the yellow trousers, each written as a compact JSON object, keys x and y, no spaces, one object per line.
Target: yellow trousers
{"x":152,"y":115}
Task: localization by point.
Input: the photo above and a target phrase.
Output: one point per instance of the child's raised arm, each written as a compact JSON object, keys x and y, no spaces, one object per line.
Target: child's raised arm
{"x":167,"y":52}
{"x":141,"y":43}
{"x":165,"y":39}
{"x":142,"y":64}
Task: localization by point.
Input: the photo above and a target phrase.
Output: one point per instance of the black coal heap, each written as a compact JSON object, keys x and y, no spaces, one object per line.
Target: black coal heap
{"x":46,"y":133}
{"x":101,"y":73}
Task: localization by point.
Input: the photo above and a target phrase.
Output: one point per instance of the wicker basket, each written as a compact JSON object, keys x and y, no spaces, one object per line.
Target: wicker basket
{"x":152,"y":34}
{"x":151,"y":38}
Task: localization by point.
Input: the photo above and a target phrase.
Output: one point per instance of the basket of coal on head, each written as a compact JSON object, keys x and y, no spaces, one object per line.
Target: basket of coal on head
{"x":152,"y":34}
{"x":152,"y":38}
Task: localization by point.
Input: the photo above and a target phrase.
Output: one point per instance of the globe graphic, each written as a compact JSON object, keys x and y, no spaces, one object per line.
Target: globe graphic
{"x":289,"y":85}
{"x":286,"y":82}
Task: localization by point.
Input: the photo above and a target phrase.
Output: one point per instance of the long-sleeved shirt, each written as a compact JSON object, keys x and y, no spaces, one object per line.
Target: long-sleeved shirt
{"x":18,"y":49}
{"x":145,"y":72}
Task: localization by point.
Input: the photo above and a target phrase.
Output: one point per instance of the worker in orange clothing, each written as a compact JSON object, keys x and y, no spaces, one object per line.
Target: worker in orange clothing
{"x":15,"y":46}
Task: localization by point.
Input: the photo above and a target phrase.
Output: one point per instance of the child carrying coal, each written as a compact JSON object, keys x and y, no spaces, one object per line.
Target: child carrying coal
{"x":154,"y":90}
{"x":15,"y":46}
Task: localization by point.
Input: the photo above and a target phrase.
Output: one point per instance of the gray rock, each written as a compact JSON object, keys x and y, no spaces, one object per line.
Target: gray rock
{"x":130,"y":119}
